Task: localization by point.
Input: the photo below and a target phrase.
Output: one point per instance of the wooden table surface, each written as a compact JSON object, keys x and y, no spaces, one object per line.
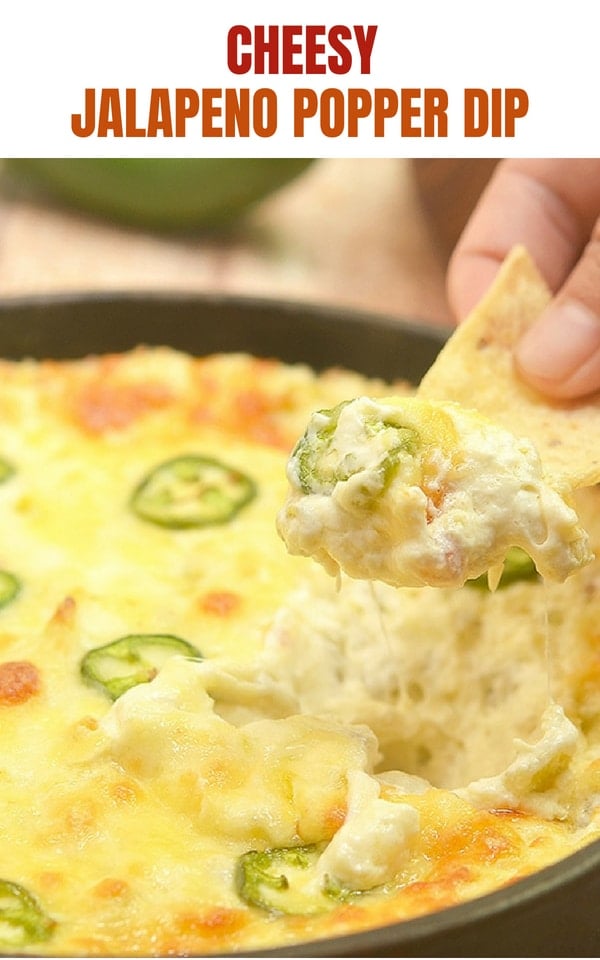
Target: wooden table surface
{"x":347,"y":232}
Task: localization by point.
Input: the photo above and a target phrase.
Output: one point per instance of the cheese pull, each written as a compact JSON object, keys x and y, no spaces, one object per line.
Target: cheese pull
{"x":418,"y":492}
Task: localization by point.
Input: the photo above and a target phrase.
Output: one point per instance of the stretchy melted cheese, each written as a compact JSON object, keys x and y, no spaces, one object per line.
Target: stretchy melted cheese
{"x":189,"y":714}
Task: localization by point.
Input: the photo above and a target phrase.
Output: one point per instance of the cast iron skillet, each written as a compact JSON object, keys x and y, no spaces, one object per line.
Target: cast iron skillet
{"x":556,"y":911}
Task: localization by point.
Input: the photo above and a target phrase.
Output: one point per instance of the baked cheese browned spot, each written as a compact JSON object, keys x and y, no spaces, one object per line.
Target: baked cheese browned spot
{"x":221,"y":603}
{"x":19,"y":680}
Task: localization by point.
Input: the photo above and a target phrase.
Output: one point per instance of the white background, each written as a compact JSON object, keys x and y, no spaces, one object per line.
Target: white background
{"x":52,"y":51}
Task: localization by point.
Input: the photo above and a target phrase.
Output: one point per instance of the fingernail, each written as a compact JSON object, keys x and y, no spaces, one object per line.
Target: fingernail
{"x":561,"y":341}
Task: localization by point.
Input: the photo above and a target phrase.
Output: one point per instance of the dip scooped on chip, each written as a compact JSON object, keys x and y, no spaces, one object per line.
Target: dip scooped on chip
{"x":435,"y":489}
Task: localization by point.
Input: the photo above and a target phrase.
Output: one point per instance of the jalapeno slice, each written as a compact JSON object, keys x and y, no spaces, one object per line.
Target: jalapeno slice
{"x":279,"y":880}
{"x":518,"y":565}
{"x":192,"y":491}
{"x":22,"y":919}
{"x":318,"y":471}
{"x":136,"y":658}
{"x":10,"y":586}
{"x":273,"y":879}
{"x":320,"y":464}
{"x":6,"y":470}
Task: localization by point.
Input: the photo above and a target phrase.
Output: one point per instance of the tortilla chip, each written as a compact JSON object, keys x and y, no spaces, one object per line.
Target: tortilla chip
{"x":476,"y":368}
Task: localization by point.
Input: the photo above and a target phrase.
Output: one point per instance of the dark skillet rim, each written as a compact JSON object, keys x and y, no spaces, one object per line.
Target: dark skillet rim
{"x":430,"y":337}
{"x":512,"y":904}
{"x":212,"y":298}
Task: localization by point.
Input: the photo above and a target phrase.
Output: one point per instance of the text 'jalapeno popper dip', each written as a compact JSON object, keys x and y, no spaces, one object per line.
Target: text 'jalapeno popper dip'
{"x":209,"y":745}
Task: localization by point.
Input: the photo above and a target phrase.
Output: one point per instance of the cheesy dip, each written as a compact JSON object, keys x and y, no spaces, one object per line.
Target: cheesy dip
{"x":414,"y":492}
{"x":208,"y":745}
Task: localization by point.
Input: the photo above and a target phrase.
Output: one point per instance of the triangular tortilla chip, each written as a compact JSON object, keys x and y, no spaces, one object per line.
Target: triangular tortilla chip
{"x":476,"y":369}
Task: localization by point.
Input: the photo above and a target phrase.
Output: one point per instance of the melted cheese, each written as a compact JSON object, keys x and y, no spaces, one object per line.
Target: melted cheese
{"x":313,"y":717}
{"x":369,"y":848}
{"x":415,"y":492}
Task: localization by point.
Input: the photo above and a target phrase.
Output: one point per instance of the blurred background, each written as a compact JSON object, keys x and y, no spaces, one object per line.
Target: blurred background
{"x":368,"y":234}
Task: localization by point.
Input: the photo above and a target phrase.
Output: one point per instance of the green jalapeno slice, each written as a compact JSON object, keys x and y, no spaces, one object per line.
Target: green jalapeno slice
{"x":279,"y":880}
{"x":518,"y":565}
{"x":6,"y":470}
{"x":192,"y":491}
{"x":10,"y":586}
{"x":273,"y":879}
{"x":320,"y":465}
{"x":136,"y":658}
{"x":22,"y":919}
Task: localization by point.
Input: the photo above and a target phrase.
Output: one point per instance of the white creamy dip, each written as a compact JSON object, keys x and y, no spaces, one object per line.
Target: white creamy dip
{"x":414,"y":492}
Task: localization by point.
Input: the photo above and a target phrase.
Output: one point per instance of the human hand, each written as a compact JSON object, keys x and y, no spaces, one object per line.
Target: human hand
{"x":552,"y":207}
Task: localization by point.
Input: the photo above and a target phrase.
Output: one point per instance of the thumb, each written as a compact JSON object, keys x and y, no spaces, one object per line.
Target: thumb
{"x":560,"y":353}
